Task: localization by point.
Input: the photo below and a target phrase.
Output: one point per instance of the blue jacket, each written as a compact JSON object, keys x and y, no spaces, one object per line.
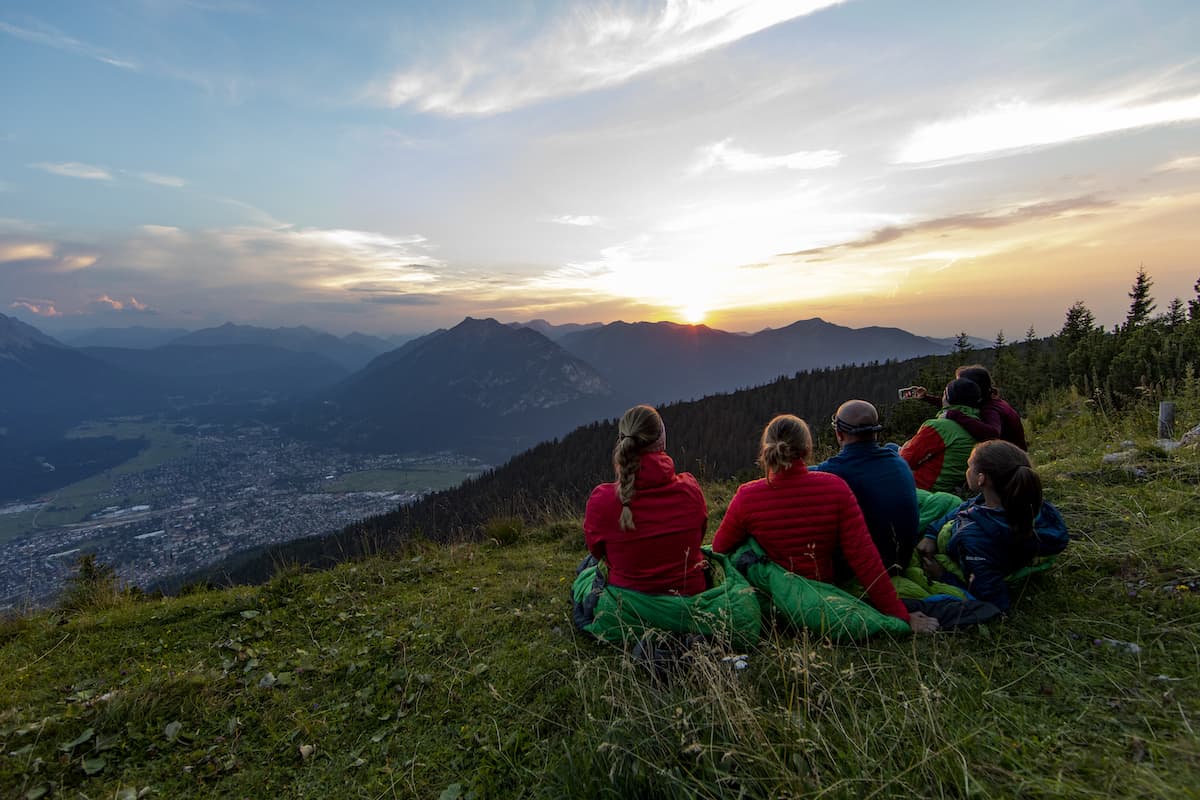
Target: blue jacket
{"x":883,"y":485}
{"x":983,"y":545}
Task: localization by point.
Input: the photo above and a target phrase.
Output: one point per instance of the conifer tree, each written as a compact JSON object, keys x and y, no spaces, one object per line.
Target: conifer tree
{"x":1175,"y":318}
{"x":1141,"y":304}
{"x":1079,"y":323}
{"x":1194,"y":305}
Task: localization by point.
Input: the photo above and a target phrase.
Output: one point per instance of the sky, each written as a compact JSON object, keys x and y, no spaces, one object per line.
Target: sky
{"x":392,"y":167}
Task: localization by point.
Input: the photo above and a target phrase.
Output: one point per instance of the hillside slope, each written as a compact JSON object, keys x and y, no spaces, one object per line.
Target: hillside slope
{"x":453,"y":671}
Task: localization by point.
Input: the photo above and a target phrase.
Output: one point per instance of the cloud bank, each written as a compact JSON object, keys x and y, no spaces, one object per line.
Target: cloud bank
{"x":1020,"y":125}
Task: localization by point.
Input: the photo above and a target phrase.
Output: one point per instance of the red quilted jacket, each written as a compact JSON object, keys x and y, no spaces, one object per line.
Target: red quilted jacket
{"x":661,"y":554}
{"x":799,"y":518}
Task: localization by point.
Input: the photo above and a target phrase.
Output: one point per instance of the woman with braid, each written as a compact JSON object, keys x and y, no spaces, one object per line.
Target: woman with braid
{"x":649,"y":523}
{"x":1004,"y":529}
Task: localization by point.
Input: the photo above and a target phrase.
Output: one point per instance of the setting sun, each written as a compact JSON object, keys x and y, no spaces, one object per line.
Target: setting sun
{"x":693,"y":314}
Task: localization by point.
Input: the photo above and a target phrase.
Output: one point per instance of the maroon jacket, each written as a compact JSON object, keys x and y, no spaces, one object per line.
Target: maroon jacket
{"x":799,"y":518}
{"x":997,"y":420}
{"x":661,"y":554}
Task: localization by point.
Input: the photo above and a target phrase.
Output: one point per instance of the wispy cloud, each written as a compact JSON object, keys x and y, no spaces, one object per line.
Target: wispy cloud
{"x":26,"y":251}
{"x":404,"y":299}
{"x":41,"y":308}
{"x":106,"y":303}
{"x":74,"y":169}
{"x":286,"y":259}
{"x":162,"y":180}
{"x":725,"y":156}
{"x":578,"y":220}
{"x":213,"y":6}
{"x":46,"y":256}
{"x":590,"y":49}
{"x":1184,"y":164}
{"x":985,"y":220}
{"x":1020,"y":125}
{"x":52,"y":37}
{"x":77,"y":261}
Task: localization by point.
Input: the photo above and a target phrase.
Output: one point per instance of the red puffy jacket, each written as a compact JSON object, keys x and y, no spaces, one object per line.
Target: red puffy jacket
{"x":661,"y":554}
{"x":799,"y":518}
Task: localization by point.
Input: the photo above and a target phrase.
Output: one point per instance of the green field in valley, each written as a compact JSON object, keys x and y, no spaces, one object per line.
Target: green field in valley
{"x":418,"y":479}
{"x":73,"y":503}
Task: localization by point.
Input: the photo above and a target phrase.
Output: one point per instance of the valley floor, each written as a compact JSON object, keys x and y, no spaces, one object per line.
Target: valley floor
{"x":455,"y":672}
{"x":193,"y":498}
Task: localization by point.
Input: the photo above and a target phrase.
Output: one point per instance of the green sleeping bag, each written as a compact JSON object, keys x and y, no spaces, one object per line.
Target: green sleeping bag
{"x":914,"y":584}
{"x":728,"y":611}
{"x":819,"y":607}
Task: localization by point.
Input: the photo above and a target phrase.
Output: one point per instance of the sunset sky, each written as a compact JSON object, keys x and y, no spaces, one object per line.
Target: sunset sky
{"x":937,"y":166}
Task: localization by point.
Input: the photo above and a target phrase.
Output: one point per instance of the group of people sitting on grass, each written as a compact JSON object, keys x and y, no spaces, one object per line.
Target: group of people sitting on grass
{"x":875,"y":538}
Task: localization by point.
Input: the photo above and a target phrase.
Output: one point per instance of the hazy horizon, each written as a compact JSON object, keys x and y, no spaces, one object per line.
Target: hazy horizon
{"x":741,"y":163}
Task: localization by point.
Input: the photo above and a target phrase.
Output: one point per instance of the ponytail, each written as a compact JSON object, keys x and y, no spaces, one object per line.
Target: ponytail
{"x":639,"y":431}
{"x":1011,"y":474}
{"x":785,"y":441}
{"x":1021,"y":496}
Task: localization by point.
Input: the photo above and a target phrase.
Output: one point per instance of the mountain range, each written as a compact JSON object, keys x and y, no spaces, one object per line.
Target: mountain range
{"x":353,"y":352}
{"x":481,"y":385}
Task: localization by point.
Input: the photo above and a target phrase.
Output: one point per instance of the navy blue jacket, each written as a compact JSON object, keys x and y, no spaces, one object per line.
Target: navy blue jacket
{"x":883,"y":485}
{"x":985,"y":548}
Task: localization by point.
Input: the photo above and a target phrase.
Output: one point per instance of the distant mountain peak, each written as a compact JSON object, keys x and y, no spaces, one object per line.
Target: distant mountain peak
{"x":300,"y":338}
{"x":17,"y":335}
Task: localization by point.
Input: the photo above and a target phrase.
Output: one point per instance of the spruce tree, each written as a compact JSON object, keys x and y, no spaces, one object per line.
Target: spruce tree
{"x":1079,"y":323}
{"x":1141,"y":304}
{"x":1175,"y":318}
{"x":962,"y":343}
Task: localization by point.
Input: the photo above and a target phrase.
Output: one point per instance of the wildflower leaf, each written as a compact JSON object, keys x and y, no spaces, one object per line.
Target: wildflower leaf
{"x":83,"y":737}
{"x":93,"y":765}
{"x":249,"y":614}
{"x":172,"y":730}
{"x":38,"y":792}
{"x":451,"y":792}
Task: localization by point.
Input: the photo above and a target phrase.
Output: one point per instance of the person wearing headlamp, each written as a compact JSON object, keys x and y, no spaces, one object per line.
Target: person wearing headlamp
{"x":881,"y":481}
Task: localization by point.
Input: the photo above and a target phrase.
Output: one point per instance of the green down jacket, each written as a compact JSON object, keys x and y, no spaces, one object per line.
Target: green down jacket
{"x":728,"y":610}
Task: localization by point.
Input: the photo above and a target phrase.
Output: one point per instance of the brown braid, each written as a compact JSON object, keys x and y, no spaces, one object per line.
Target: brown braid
{"x":639,"y":429}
